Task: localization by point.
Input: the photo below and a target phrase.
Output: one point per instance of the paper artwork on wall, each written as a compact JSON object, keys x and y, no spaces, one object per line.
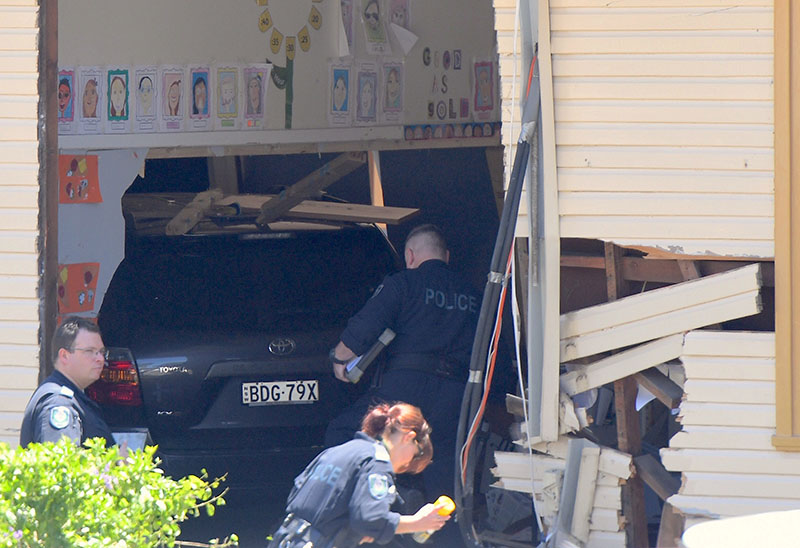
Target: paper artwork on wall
{"x":347,"y":22}
{"x":66,"y":101}
{"x":366,"y":94}
{"x":255,"y":80}
{"x":399,"y":13}
{"x":450,"y":131}
{"x":117,"y":83}
{"x":90,"y":85}
{"x":392,"y":87}
{"x":340,"y":104}
{"x":145,"y":106}
{"x":374,"y":23}
{"x":227,"y":97}
{"x":172,"y":86}
{"x":78,"y":180}
{"x":76,"y":286}
{"x":484,"y":88}
{"x":200,"y":98}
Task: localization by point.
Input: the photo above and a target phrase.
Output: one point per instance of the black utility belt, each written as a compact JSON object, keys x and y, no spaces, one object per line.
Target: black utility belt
{"x":296,"y":531}
{"x":426,"y":363}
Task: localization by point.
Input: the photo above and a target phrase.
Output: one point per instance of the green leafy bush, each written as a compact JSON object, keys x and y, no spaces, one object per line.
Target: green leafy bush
{"x":61,"y":495}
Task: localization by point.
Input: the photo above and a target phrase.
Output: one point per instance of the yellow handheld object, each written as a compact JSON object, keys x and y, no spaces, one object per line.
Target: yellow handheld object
{"x":447,"y":508}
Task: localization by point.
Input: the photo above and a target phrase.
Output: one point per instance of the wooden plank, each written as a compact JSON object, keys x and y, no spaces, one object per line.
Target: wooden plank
{"x":19,"y":219}
{"x":19,"y":332}
{"x":19,"y":354}
{"x":738,"y":306}
{"x":22,"y":196}
{"x":351,"y":212}
{"x":723,"y":437}
{"x":660,"y":301}
{"x":18,"y":264}
{"x":656,"y":476}
{"x":585,"y":493}
{"x":13,"y":400}
{"x":662,"y":18}
{"x":703,"y":66}
{"x":607,"y":497}
{"x":671,"y":527}
{"x":743,"y":160}
{"x":310,"y":185}
{"x":730,"y":343}
{"x":627,"y":4}
{"x":610,"y":227}
{"x":640,"y":203}
{"x":190,"y":215}
{"x":638,"y":42}
{"x":719,"y":249}
{"x":725,"y":507}
{"x":615,"y":463}
{"x":658,"y":384}
{"x":660,"y":134}
{"x":727,"y":414}
{"x":19,"y":377}
{"x":731,"y":461}
{"x":684,"y":181}
{"x":19,"y":309}
{"x":18,"y":241}
{"x":716,"y":391}
{"x":19,"y":39}
{"x":604,"y":519}
{"x":620,"y":365}
{"x":711,"y":484}
{"x":550,"y":239}
{"x":606,"y":539}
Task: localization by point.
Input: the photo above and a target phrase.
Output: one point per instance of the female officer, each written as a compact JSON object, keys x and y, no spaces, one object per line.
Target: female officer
{"x":342,"y":498}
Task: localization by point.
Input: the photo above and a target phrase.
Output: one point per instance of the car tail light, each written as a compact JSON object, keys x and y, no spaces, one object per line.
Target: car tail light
{"x":119,"y":382}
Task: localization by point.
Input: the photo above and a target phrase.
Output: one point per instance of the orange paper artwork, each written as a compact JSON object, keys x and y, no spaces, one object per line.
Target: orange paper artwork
{"x":78,"y":181}
{"x":77,"y":284}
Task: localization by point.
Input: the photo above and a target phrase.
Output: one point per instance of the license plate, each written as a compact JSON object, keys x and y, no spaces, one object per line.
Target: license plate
{"x":269,"y":393}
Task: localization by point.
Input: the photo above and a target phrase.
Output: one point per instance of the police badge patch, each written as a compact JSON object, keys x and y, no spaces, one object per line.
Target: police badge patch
{"x":378,"y":486}
{"x":59,"y":417}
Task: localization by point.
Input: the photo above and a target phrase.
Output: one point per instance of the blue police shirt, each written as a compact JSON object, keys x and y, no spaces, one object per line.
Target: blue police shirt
{"x":349,"y":486}
{"x":59,"y":408}
{"x":431,"y":309}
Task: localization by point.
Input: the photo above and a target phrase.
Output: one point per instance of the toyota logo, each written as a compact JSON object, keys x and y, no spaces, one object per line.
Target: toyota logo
{"x":282,"y":347}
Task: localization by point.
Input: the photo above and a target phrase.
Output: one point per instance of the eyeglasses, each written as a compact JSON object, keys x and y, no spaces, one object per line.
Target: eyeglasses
{"x":420,"y":450}
{"x":102,"y":352}
{"x":371,"y":15}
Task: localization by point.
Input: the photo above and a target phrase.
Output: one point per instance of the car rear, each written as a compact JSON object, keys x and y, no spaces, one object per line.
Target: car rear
{"x":229,"y":335}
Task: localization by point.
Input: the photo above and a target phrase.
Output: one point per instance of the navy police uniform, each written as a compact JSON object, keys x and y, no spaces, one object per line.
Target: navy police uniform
{"x":59,"y":408}
{"x":342,"y":496}
{"x":434,"y":313}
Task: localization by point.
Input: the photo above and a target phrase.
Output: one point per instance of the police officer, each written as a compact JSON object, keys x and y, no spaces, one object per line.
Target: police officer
{"x":59,"y":407}
{"x":433,"y":312}
{"x":343,"y":496}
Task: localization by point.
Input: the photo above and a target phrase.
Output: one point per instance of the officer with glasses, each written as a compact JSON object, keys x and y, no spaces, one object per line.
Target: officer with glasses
{"x":60,"y":407}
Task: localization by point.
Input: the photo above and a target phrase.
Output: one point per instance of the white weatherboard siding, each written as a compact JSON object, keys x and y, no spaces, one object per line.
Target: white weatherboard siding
{"x":664,"y":124}
{"x":724,"y":451}
{"x":19,"y":210}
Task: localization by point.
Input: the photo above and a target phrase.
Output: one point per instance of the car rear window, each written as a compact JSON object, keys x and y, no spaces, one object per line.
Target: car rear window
{"x":248,"y":282}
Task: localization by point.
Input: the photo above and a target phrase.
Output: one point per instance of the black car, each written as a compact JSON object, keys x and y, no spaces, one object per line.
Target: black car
{"x":220,"y":342}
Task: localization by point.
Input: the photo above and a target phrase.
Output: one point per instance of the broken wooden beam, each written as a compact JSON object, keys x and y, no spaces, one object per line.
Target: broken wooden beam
{"x":659,"y":385}
{"x":622,"y":364}
{"x":656,"y":476}
{"x":193,"y":213}
{"x":310,"y":185}
{"x":665,"y":311}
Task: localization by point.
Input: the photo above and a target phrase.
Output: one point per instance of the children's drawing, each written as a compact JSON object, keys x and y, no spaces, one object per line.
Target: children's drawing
{"x":199,"y":98}
{"x":66,"y":102}
{"x":145,"y":80}
{"x":484,"y":86}
{"x":398,"y":13}
{"x":392,"y":96}
{"x":117,"y":100}
{"x":227,"y":100}
{"x":367,"y":84}
{"x":255,"y":86}
{"x":374,"y":27}
{"x":78,"y":179}
{"x":91,"y":87}
{"x":172,"y":98}
{"x":339,"y":112}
